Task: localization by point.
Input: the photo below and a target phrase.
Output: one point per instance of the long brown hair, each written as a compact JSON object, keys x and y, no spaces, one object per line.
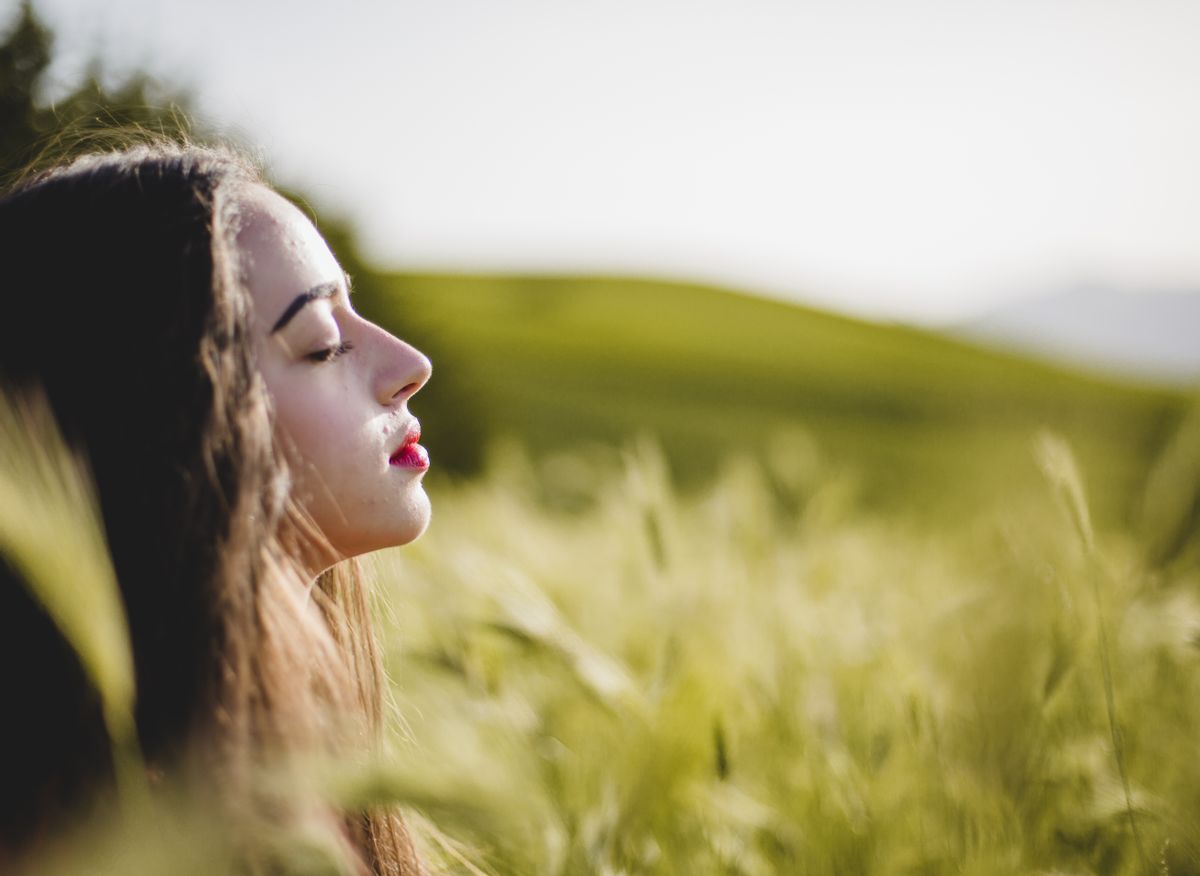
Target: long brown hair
{"x":122,"y":304}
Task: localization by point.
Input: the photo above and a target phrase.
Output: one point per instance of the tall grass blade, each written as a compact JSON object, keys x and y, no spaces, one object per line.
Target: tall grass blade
{"x":1171,"y":506}
{"x":50,"y":531}
{"x":1058,"y":464}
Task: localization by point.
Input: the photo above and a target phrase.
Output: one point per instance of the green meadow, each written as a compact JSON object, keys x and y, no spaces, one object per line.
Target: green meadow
{"x":744,"y":588}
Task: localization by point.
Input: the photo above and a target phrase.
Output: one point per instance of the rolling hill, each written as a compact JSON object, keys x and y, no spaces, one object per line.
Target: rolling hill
{"x":916,"y":420}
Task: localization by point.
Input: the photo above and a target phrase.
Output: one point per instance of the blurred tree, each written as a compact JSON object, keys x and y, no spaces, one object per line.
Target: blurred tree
{"x":31,"y":130}
{"x":24,"y":56}
{"x":93,"y":114}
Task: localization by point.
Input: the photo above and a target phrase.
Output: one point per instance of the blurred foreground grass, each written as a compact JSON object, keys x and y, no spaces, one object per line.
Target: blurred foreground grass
{"x":920,"y":635}
{"x":760,"y":677}
{"x":744,"y":681}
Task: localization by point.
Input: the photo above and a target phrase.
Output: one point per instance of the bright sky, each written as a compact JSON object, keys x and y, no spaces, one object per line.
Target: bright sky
{"x":913,"y":159}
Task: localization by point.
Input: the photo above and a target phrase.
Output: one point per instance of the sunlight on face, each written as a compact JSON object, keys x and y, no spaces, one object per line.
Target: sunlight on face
{"x":340,"y":384}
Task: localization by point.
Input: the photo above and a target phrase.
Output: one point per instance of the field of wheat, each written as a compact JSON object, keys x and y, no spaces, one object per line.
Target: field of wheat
{"x":599,"y":667}
{"x":762,"y":679}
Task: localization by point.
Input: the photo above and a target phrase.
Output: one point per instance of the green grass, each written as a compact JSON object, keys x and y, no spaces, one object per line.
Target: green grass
{"x":761,"y":676}
{"x":739,"y":681}
{"x":844,"y":607}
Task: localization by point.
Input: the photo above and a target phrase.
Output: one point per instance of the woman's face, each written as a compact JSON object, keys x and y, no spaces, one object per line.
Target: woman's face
{"x":340,"y":384}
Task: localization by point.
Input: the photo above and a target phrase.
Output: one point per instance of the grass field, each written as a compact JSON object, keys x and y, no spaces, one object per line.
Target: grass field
{"x":727,"y":683}
{"x":749,"y":589}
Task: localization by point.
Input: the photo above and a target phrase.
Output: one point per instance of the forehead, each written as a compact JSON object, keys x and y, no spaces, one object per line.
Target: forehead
{"x":280,"y":252}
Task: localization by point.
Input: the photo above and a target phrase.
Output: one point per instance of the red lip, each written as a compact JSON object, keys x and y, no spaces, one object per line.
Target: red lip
{"x":410,"y":454}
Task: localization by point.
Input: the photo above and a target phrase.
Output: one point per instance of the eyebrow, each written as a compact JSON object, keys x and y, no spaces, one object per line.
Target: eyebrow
{"x":316,"y":293}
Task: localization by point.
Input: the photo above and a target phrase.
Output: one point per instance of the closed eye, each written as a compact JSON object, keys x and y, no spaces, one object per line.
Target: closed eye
{"x":330,"y":353}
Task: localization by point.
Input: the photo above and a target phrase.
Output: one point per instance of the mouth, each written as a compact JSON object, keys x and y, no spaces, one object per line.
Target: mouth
{"x":410,"y":454}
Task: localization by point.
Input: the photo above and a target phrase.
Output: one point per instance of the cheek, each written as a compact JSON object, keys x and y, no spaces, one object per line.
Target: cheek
{"x":315,"y":425}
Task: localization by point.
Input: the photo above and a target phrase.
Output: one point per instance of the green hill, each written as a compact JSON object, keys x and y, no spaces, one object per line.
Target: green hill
{"x":919,"y":421}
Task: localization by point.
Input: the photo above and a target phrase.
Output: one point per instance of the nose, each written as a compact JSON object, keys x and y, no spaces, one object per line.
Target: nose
{"x":402,"y":370}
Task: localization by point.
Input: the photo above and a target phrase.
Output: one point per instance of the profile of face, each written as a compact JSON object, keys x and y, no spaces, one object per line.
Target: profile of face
{"x":340,"y":384}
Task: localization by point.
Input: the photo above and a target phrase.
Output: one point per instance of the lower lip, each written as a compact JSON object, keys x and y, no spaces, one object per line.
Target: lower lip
{"x":411,"y":456}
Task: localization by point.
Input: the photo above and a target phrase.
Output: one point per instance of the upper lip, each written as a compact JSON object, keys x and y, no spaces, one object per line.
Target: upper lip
{"x":412,"y":435}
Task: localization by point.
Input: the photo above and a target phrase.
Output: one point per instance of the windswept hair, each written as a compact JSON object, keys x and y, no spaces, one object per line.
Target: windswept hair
{"x":122,"y":305}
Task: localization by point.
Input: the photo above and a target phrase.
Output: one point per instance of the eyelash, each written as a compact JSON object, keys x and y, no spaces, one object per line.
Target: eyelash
{"x":330,"y":353}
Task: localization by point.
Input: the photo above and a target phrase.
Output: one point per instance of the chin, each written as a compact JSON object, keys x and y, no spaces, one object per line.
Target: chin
{"x":417,"y":523}
{"x":406,"y":526}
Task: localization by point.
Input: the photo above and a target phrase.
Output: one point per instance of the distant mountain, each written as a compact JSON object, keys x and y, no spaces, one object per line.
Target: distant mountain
{"x":1144,"y":334}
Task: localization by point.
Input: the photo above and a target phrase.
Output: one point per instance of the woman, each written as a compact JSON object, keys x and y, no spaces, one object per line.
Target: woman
{"x":248,"y":435}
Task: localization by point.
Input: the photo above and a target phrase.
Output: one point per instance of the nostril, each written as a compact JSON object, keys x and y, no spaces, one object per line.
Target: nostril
{"x":409,"y":384}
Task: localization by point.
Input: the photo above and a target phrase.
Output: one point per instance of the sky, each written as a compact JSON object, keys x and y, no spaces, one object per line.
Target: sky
{"x":916,"y":160}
